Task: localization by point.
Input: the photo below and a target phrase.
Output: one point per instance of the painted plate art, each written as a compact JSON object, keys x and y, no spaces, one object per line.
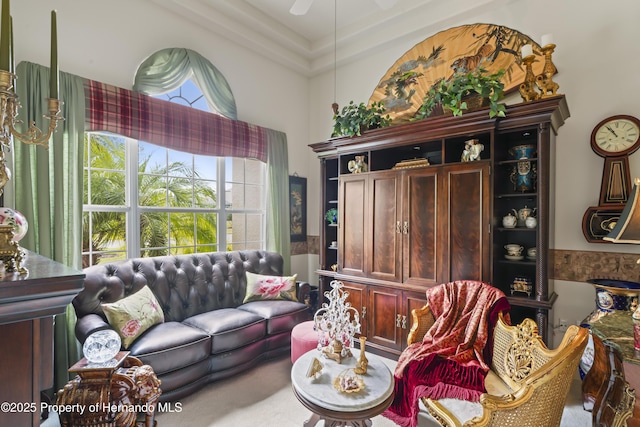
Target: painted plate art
{"x":464,"y":48}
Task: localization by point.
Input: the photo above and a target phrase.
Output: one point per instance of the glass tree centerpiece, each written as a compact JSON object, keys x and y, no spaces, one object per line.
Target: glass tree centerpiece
{"x":336,"y":323}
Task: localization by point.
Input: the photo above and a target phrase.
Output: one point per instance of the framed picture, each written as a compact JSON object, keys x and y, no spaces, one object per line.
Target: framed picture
{"x":298,"y":208}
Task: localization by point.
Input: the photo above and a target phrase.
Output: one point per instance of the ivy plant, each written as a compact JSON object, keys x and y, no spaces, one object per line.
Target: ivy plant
{"x":354,"y":119}
{"x":454,"y":92}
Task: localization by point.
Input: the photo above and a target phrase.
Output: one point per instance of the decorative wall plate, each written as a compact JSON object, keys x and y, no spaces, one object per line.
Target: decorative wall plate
{"x":492,"y":47}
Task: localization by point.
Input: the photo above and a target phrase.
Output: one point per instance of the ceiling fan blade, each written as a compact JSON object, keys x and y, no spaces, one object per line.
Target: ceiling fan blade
{"x":300,"y":7}
{"x":385,"y":4}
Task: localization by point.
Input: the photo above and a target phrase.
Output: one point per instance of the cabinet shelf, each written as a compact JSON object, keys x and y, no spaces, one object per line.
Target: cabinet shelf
{"x":525,"y":229}
{"x":525,"y":261}
{"x":511,"y":162}
{"x":524,"y":301}
{"x":516,"y":195}
{"x":332,"y":202}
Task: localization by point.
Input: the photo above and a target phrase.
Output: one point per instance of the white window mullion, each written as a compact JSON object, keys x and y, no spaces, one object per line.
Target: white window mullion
{"x":222,"y":205}
{"x":133,"y":213}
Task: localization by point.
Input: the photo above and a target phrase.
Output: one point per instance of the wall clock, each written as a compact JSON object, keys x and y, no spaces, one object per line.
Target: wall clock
{"x":615,"y":139}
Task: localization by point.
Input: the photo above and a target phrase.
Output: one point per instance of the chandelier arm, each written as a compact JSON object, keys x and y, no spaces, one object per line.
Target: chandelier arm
{"x":33,"y":135}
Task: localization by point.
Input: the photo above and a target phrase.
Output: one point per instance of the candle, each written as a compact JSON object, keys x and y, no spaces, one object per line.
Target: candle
{"x":5,"y":36}
{"x":547,"y":39}
{"x":527,"y":50}
{"x":12,"y":61}
{"x":53,"y":82}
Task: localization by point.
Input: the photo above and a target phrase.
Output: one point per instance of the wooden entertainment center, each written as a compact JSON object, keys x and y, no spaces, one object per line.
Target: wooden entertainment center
{"x":404,"y":226}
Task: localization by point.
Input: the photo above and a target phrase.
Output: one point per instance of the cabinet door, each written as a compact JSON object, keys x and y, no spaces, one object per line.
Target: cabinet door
{"x":384,"y":229}
{"x":419,"y":224}
{"x":384,"y":317}
{"x":411,"y":301}
{"x":352,"y":202}
{"x":358,"y":299}
{"x":467,"y":189}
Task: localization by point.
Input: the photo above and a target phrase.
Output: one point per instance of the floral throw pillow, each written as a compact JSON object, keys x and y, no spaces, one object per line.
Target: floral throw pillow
{"x":133,"y":315}
{"x":261,"y":287}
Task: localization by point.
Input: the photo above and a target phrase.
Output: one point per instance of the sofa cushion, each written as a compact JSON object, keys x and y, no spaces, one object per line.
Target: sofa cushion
{"x":133,"y":315}
{"x":262,"y":287}
{"x":281,"y":316}
{"x":171,"y":345}
{"x":229,"y":328}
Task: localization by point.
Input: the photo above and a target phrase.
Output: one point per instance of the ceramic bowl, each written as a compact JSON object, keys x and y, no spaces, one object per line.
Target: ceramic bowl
{"x":614,"y":295}
{"x":526,"y":151}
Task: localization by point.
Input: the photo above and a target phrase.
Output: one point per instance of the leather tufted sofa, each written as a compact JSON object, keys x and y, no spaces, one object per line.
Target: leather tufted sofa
{"x":208,"y":333}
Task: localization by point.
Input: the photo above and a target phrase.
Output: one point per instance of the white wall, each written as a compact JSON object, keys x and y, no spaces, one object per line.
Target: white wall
{"x":596,"y":56}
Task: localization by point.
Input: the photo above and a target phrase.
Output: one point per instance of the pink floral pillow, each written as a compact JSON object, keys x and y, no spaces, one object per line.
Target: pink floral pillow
{"x":133,"y":315}
{"x":260,"y":288}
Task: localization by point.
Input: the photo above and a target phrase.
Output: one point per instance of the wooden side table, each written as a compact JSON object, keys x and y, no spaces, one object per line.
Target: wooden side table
{"x":612,"y":383}
{"x":121,"y":392}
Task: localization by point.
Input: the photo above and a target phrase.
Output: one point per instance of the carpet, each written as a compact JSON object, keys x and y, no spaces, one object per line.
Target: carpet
{"x":263,"y":397}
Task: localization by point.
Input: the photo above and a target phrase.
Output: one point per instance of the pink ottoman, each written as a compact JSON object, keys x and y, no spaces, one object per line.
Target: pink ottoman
{"x":303,"y":339}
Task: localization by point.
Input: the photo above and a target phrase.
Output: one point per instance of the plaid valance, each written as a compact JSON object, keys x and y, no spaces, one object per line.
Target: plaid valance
{"x":142,"y":117}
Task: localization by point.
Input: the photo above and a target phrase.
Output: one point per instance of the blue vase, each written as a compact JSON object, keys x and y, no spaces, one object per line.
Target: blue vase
{"x":523,"y":176}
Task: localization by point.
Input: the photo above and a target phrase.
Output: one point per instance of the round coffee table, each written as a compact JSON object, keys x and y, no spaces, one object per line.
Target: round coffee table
{"x":337,"y":408}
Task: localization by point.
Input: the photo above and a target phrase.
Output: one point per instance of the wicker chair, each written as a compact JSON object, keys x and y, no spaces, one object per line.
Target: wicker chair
{"x":527,"y":385}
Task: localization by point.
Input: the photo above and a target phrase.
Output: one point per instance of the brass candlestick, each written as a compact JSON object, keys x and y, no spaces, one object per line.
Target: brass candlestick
{"x":544,"y":81}
{"x":528,"y":87}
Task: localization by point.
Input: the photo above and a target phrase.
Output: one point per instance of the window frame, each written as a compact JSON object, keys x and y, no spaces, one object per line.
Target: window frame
{"x":132,"y":209}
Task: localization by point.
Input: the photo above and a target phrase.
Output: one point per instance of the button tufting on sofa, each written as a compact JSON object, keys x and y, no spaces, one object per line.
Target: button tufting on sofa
{"x":201,"y":293}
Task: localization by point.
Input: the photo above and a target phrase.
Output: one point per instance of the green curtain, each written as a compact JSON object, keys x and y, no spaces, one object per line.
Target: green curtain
{"x":168,"y":69}
{"x":48,"y":188}
{"x":278,"y":229}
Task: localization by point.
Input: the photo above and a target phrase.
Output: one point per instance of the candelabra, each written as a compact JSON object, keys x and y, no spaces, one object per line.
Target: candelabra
{"x":9,"y":105}
{"x":336,"y":324}
{"x":528,"y":87}
{"x":11,"y":254}
{"x":544,"y":80}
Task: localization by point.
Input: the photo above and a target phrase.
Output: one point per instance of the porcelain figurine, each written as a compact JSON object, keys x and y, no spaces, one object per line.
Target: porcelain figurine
{"x":472,"y":150}
{"x":358,"y":165}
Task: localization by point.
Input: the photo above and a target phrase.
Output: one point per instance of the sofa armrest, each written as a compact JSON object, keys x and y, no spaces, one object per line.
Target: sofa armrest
{"x":303,"y":291}
{"x":88,"y":324}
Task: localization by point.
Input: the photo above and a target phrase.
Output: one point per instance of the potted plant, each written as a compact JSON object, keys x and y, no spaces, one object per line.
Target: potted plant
{"x":457,"y":92}
{"x":356,"y":118}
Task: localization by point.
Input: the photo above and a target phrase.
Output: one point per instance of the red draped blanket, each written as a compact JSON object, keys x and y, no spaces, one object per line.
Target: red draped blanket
{"x":450,"y":360}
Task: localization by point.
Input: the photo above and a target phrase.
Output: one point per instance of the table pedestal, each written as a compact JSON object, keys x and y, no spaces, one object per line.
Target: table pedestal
{"x":122,"y":392}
